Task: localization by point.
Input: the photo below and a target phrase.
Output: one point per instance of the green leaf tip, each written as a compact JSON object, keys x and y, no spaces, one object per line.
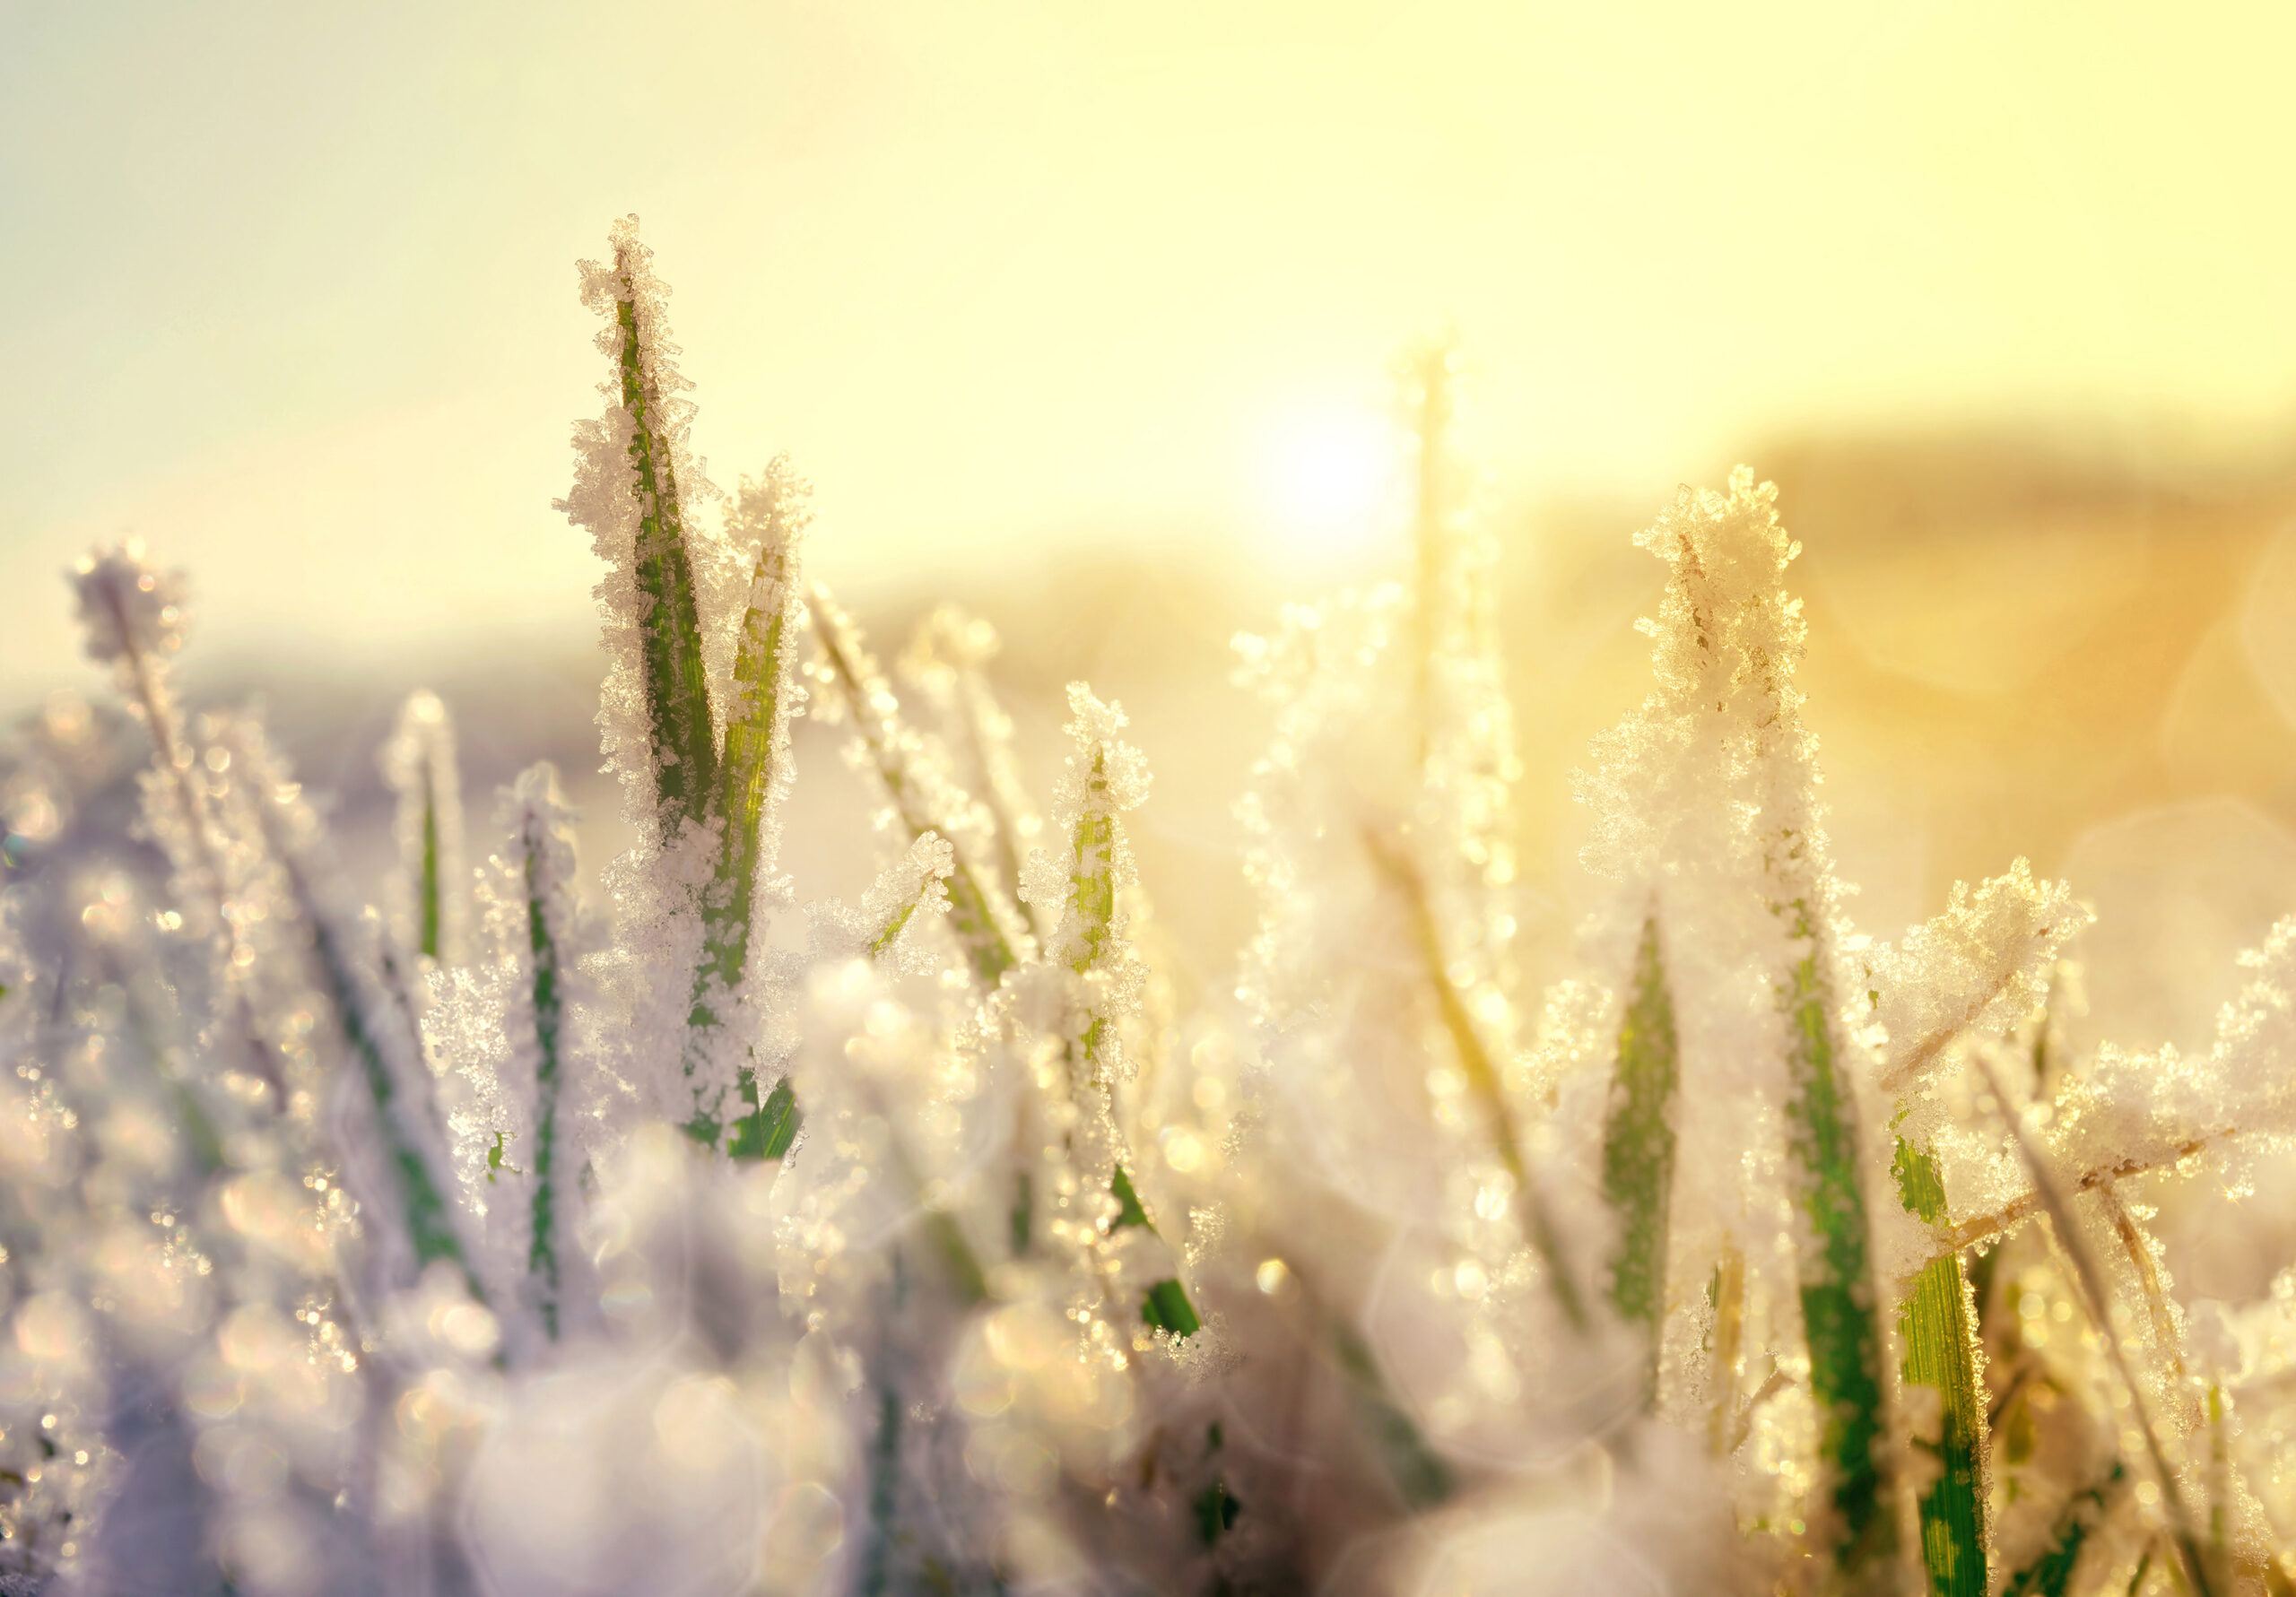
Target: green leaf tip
{"x":1167,"y":1308}
{"x":1129,"y":1211}
{"x":770,"y":1128}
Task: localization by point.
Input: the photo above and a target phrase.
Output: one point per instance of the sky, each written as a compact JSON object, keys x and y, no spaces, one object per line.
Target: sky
{"x":291,"y":289}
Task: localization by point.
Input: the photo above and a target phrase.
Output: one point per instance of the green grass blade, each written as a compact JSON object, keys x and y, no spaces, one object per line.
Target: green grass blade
{"x":418,"y":764}
{"x":1639,"y":1144}
{"x":543,"y":918}
{"x":428,"y":910}
{"x":757,"y":740}
{"x":675,"y":679}
{"x":1934,"y":1323}
{"x":421,"y":1190}
{"x":1839,"y":1311}
{"x":1092,"y":888}
{"x":362,"y":988}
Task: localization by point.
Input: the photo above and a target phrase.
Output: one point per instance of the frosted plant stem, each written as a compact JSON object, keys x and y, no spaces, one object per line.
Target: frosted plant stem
{"x":947,"y":660}
{"x":676,"y":680}
{"x":420,"y":765}
{"x":2097,"y":1302}
{"x":398,"y":1091}
{"x":1839,"y":1311}
{"x":1985,"y":1227}
{"x":545,"y":915}
{"x":1539,"y":1229}
{"x":1724,"y":735}
{"x":891,"y":748}
{"x":126,"y":640}
{"x":430,"y":1224}
{"x":752,"y":774}
{"x":155,"y":707}
{"x":1089,"y":939}
{"x":1638,"y":1146}
{"x":2148,"y":1276}
{"x":1939,"y":1332}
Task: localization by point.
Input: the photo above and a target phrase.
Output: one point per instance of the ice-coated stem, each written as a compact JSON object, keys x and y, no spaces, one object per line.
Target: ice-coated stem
{"x":2096,"y":1302}
{"x":1482,"y":1072}
{"x":751,"y":776}
{"x":947,"y":660}
{"x":1839,"y":1307}
{"x":545,"y":870}
{"x":418,"y":764}
{"x":1938,"y":1328}
{"x":893,"y":753}
{"x":1638,"y":1143}
{"x":1729,"y":639}
{"x":676,"y":678}
{"x":135,"y":618}
{"x":1089,"y":938}
{"x":375,"y":1031}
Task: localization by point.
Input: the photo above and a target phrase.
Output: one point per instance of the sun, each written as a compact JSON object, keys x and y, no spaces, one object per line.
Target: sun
{"x":1325,"y":470}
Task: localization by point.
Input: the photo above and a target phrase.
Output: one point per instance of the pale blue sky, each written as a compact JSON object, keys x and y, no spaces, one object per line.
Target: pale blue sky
{"x":291,"y":286}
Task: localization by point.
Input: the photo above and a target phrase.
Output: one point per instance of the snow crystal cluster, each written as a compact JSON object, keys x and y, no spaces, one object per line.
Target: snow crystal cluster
{"x":693,"y":1237}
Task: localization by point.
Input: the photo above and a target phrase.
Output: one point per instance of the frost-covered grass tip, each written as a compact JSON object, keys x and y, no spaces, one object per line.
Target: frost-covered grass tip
{"x":691,"y":1236}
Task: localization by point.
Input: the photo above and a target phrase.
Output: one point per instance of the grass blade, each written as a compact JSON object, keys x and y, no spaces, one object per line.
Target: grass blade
{"x":418,"y":764}
{"x":1089,"y":939}
{"x":1639,"y":1144}
{"x":1838,"y":1310}
{"x":1940,"y":1338}
{"x":751,"y":774}
{"x":376,"y":1032}
{"x":1539,"y":1228}
{"x":919,"y":794}
{"x":545,"y":867}
{"x":946,"y":661}
{"x":676,"y":682}
{"x":2096,"y":1300}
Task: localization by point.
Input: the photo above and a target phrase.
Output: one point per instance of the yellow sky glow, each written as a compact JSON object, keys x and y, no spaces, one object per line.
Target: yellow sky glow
{"x":291,"y":288}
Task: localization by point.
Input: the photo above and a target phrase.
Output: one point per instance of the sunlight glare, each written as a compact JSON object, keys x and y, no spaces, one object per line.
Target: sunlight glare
{"x":1325,"y":472}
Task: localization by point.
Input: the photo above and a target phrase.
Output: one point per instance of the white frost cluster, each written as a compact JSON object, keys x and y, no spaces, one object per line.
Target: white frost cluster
{"x":128,"y":609}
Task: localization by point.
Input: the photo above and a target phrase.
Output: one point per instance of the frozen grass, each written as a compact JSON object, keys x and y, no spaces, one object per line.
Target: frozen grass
{"x":698,"y":1238}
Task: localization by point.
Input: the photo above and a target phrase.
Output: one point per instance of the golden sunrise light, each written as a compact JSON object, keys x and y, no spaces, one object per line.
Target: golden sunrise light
{"x":871,"y":798}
